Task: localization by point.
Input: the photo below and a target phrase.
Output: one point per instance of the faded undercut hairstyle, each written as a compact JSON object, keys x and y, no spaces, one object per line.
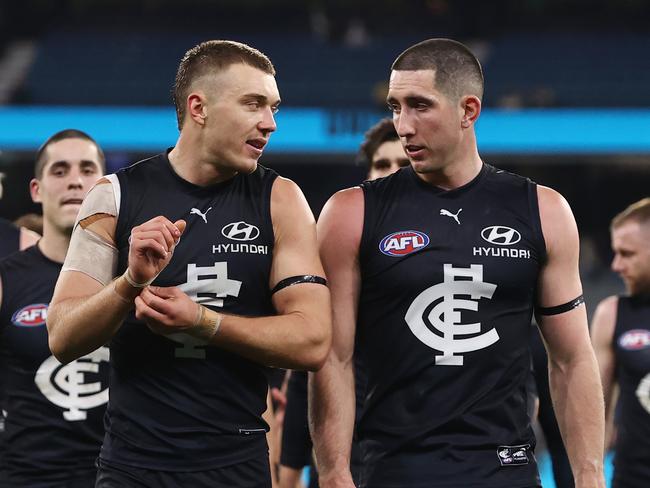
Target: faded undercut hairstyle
{"x":457,"y":71}
{"x":381,"y":132}
{"x":59,"y":136}
{"x":637,"y":212}
{"x":210,"y":57}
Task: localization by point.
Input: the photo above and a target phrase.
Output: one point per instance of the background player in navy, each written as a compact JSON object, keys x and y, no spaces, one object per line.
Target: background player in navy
{"x":621,"y":338}
{"x":54,"y":424}
{"x":382,"y":154}
{"x":446,"y":345}
{"x":381,"y":151}
{"x":14,"y":238}
{"x":188,"y":382}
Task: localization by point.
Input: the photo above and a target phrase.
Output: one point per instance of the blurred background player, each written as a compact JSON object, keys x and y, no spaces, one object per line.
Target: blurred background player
{"x":381,"y":153}
{"x":54,"y":423}
{"x":14,"y":237}
{"x":621,"y":338}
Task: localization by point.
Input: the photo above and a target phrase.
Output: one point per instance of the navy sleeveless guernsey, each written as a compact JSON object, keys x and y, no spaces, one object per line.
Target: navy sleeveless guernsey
{"x":632,"y":349}
{"x":9,"y":243}
{"x":444,"y":323}
{"x":177,"y":404}
{"x":54,"y":424}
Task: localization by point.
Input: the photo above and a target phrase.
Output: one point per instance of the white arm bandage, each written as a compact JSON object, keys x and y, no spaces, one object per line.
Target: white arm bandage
{"x":88,"y":252}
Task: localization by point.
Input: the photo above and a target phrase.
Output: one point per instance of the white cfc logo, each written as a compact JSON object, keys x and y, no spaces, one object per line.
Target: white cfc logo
{"x":66,"y":386}
{"x":207,"y":285}
{"x":445,"y":315}
{"x":643,"y":392}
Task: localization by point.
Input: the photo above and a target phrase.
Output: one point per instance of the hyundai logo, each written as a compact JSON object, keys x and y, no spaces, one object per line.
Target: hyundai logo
{"x":501,"y":235}
{"x":240,"y":231}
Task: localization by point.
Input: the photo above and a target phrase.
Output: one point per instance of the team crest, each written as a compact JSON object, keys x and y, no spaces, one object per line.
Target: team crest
{"x":462,"y":289}
{"x":74,"y":386}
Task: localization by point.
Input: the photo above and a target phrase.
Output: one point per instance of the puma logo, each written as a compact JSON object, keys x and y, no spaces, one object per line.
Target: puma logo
{"x":447,"y":213}
{"x":196,"y":211}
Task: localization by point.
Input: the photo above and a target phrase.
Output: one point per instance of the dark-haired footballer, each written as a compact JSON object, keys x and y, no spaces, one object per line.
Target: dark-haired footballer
{"x":54,"y":425}
{"x":435,"y":273}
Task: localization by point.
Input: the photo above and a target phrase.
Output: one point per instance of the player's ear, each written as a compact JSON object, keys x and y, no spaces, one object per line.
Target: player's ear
{"x":471,"y":109}
{"x":35,"y":190}
{"x":196,"y":107}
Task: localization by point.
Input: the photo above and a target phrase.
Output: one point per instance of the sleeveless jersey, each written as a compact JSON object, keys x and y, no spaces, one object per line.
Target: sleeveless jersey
{"x":444,"y":323}
{"x":54,"y":424}
{"x":177,"y":404}
{"x":9,"y":243}
{"x":632,"y":349}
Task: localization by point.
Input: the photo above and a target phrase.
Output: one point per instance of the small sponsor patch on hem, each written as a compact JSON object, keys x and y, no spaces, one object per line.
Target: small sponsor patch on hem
{"x":252,"y":431}
{"x":513,"y":455}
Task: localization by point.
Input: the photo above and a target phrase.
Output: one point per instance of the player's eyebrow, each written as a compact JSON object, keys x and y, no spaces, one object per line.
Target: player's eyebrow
{"x":261,"y":99}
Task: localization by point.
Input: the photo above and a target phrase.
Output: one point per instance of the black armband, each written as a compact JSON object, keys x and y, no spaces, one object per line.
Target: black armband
{"x":565,"y":307}
{"x":296,"y":280}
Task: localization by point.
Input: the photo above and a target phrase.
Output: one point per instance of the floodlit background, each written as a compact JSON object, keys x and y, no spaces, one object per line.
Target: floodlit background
{"x":567,"y":99}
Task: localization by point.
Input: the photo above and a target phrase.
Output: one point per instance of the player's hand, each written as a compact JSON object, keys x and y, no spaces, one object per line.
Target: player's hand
{"x":151,"y":246}
{"x":166,"y":310}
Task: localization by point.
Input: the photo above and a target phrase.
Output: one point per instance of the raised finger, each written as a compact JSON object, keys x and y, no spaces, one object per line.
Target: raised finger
{"x":163,"y":222}
{"x":166,"y":234}
{"x":150,"y":245}
{"x":154,"y":223}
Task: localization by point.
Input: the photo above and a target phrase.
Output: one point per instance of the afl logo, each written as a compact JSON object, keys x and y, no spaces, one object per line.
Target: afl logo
{"x":403,"y":242}
{"x":31,"y":315}
{"x":634,"y":340}
{"x":240,"y":231}
{"x":500,"y":235}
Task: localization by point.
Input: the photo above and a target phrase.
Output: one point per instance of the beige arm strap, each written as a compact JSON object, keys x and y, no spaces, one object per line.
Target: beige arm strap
{"x":89,"y":253}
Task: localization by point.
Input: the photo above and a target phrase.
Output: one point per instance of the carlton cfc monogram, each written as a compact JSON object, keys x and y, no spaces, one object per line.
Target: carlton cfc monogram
{"x":445,"y":316}
{"x":67,"y":385}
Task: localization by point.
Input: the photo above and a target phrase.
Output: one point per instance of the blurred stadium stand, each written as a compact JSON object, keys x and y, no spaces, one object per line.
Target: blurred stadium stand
{"x":334,"y":57}
{"x":107,"y":67}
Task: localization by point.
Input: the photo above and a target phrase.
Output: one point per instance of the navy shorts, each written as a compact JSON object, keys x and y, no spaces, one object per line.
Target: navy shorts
{"x":254,"y":473}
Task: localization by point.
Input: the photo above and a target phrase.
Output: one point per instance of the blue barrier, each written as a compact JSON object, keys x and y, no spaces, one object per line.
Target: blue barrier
{"x":317,"y":131}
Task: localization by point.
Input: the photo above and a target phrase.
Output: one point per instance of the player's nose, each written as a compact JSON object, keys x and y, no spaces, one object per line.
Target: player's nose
{"x":404,"y":124}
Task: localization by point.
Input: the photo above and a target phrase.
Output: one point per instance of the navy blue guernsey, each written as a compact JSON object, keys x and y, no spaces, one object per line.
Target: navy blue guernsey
{"x":448,"y":287}
{"x":177,"y":404}
{"x":9,"y":243}
{"x":54,"y":424}
{"x":632,"y":349}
